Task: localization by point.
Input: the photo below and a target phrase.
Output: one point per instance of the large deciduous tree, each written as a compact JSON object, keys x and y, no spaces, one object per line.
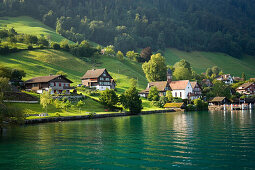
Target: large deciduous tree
{"x":155,"y":68}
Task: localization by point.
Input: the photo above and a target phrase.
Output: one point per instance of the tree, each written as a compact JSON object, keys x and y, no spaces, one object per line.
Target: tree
{"x":209,"y":72}
{"x":131,"y":100}
{"x":132,"y":55}
{"x":45,"y":99}
{"x":169,"y":96}
{"x":153,"y":94}
{"x":109,"y":98}
{"x":243,"y":76}
{"x":162,"y":101}
{"x":215,"y":70}
{"x":120,"y":55}
{"x":109,"y":50}
{"x":220,"y":89}
{"x":55,"y":45}
{"x":43,"y":41}
{"x":4,"y":84}
{"x":146,"y":54}
{"x":183,"y":70}
{"x":80,"y":104}
{"x":155,"y":69}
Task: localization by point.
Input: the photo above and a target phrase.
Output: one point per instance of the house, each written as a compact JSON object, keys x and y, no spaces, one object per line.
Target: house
{"x":237,"y":79}
{"x":226,"y":78}
{"x":207,"y":83}
{"x":99,"y":79}
{"x":196,"y":91}
{"x":246,"y":88}
{"x":162,"y":87}
{"x":219,"y":101}
{"x":180,"y":88}
{"x":56,"y":83}
{"x":252,"y":79}
{"x":174,"y":106}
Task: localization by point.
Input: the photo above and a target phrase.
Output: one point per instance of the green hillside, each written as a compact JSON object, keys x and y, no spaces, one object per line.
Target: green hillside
{"x":28,"y":25}
{"x":200,"y":61}
{"x":48,"y":61}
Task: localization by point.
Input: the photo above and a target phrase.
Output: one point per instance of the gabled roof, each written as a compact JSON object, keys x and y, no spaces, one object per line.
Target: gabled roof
{"x":217,"y":99}
{"x":179,"y":85}
{"x":45,"y":79}
{"x":193,"y":84}
{"x":161,"y":85}
{"x":94,"y":73}
{"x":245,"y":85}
{"x":173,"y":105}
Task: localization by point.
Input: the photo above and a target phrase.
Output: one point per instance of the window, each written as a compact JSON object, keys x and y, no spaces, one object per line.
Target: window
{"x":59,"y":84}
{"x":180,"y":94}
{"x":175,"y":94}
{"x":107,"y":79}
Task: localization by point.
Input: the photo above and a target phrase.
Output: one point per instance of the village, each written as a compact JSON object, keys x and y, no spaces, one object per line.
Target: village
{"x":178,"y":95}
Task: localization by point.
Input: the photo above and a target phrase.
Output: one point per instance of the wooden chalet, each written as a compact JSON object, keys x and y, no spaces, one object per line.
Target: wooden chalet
{"x":246,"y":89}
{"x":196,"y":91}
{"x":99,"y":79}
{"x":162,"y":87}
{"x":56,"y":83}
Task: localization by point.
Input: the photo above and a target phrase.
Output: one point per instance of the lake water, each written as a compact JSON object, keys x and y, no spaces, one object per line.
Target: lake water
{"x":206,"y":140}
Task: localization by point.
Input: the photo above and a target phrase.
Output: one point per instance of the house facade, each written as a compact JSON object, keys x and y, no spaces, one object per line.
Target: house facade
{"x":99,"y":79}
{"x":162,"y":87}
{"x":226,"y":78}
{"x":196,"y":90}
{"x":246,"y":89}
{"x":55,"y":83}
{"x":180,"y":88}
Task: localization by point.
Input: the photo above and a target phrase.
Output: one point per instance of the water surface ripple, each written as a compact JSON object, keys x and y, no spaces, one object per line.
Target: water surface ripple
{"x":204,"y":140}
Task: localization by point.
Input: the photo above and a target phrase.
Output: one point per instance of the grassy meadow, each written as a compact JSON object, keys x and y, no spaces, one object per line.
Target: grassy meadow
{"x":200,"y":61}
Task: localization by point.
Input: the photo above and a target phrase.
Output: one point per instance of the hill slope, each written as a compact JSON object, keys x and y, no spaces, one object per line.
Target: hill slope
{"x":49,"y":61}
{"x":200,"y":61}
{"x":28,"y":25}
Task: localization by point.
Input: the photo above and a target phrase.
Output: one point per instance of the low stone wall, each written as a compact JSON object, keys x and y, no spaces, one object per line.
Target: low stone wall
{"x":92,"y":116}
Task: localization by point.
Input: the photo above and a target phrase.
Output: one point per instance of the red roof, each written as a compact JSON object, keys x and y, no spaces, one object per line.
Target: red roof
{"x":179,"y":85}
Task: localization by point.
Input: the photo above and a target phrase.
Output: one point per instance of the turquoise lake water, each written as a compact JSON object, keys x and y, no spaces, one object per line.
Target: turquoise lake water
{"x":207,"y":140}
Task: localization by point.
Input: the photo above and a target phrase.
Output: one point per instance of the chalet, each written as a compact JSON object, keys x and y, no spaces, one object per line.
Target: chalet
{"x":99,"y":79}
{"x":246,"y":88}
{"x":56,"y":83}
{"x":162,"y":87}
{"x":180,"y":88}
{"x":226,"y":78}
{"x":207,"y":83}
{"x":219,"y":101}
{"x":196,"y":91}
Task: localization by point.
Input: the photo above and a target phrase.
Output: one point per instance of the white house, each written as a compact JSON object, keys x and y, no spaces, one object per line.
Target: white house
{"x":226,"y":78}
{"x":181,"y":88}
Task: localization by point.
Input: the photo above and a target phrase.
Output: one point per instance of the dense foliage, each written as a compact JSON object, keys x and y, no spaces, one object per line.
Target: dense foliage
{"x":109,"y":98}
{"x":211,"y":25}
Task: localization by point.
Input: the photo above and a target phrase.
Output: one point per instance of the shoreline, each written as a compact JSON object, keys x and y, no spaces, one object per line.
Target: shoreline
{"x":95,"y":116}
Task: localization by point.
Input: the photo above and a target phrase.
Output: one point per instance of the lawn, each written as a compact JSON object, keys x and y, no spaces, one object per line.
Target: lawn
{"x":200,"y":61}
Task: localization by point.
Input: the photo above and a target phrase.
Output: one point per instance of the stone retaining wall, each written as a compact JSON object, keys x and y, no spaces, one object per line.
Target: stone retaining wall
{"x":92,"y":116}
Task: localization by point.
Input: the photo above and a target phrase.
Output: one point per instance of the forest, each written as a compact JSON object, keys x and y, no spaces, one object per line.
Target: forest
{"x":226,"y":26}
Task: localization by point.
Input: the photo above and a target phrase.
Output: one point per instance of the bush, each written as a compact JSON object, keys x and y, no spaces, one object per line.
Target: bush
{"x":30,"y":47}
{"x":55,"y":46}
{"x":190,"y":107}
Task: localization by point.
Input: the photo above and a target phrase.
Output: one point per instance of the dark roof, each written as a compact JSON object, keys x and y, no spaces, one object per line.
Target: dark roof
{"x":218,"y":99}
{"x":94,"y":73}
{"x":45,"y":79}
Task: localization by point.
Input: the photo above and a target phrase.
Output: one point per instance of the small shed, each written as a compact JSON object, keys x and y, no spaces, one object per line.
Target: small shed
{"x":174,"y":106}
{"x":219,"y":101}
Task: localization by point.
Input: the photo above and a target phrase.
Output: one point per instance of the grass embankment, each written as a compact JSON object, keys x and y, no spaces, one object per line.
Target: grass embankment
{"x":28,"y":25}
{"x":200,"y":61}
